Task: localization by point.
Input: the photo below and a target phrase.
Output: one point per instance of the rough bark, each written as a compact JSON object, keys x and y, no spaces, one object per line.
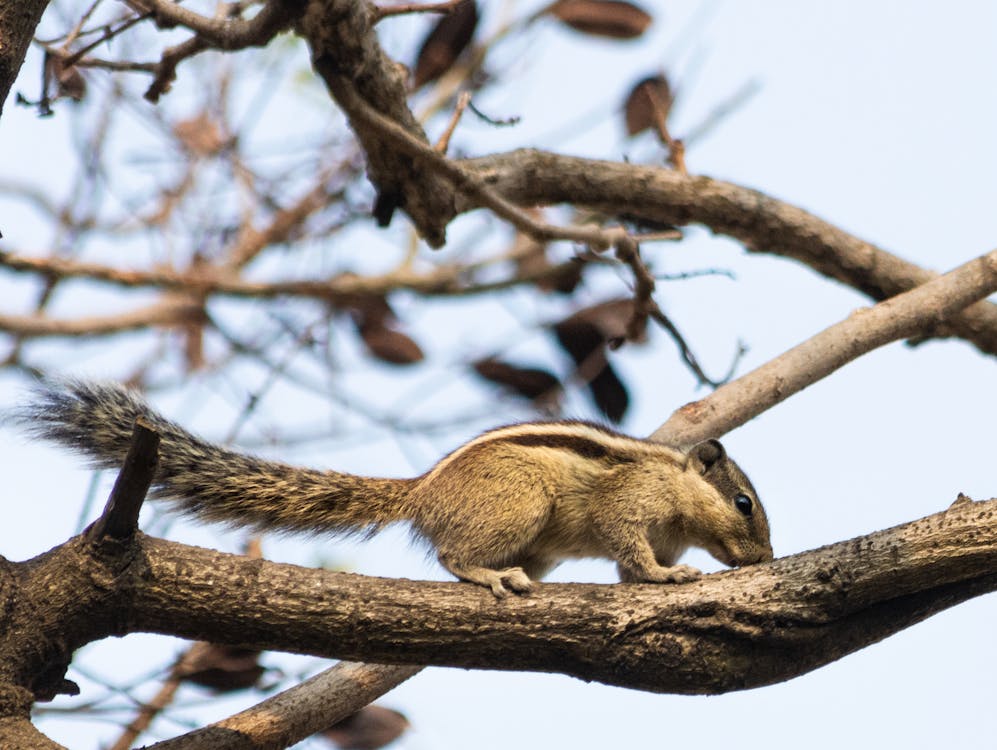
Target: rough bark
{"x":729,"y":631}
{"x":18,"y":21}
{"x":348,"y":57}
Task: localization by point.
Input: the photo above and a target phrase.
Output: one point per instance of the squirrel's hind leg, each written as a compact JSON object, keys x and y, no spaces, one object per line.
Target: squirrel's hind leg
{"x":497,"y":580}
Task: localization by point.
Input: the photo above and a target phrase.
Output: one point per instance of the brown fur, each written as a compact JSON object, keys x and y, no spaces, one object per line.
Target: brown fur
{"x":501,"y":510}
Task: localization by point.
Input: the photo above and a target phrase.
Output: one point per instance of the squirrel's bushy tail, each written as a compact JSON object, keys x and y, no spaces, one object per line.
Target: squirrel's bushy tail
{"x":207,"y":480}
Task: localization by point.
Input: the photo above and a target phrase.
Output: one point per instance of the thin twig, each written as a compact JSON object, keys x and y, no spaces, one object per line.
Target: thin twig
{"x":383,"y":11}
{"x":722,"y":111}
{"x":450,"y":280}
{"x":149,"y":710}
{"x":303,"y":710}
{"x":687,"y":356}
{"x":628,"y":252}
{"x":444,"y":142}
{"x":468,"y":182}
{"x":166,"y":69}
{"x":75,"y":31}
{"x":69,"y":60}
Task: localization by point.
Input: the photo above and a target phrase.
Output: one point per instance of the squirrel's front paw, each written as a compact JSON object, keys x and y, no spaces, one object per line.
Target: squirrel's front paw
{"x":515,"y":578}
{"x":673,"y":574}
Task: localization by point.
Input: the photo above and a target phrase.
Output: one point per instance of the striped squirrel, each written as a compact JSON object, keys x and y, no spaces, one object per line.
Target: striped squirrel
{"x":500,"y":510}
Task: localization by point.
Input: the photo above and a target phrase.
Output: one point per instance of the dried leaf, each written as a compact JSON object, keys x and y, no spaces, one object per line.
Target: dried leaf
{"x":201,"y":135}
{"x":585,"y":336}
{"x":529,"y":382}
{"x":582,"y":340}
{"x":69,"y":82}
{"x":648,"y":104}
{"x":389,"y":345}
{"x":375,"y":321}
{"x":370,"y":309}
{"x":617,"y":20}
{"x":225,"y":669}
{"x":609,"y":318}
{"x":448,"y":38}
{"x":610,"y":394}
{"x":370,"y":728}
{"x":564,"y":281}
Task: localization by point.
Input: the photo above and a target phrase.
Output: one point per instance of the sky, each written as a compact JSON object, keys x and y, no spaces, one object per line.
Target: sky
{"x":878,"y":117}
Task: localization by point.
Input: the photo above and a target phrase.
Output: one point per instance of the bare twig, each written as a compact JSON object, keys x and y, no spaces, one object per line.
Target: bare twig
{"x":386,"y":11}
{"x":449,"y":280}
{"x":166,"y":68}
{"x":120,"y":517}
{"x":722,"y":111}
{"x":224,"y":33}
{"x":687,"y":355}
{"x":468,"y":183}
{"x":628,"y":252}
{"x":299,"y":712}
{"x":444,"y":142}
{"x":905,"y":315}
{"x":162,"y":314}
{"x":150,"y":709}
{"x":69,"y":60}
{"x":78,"y":28}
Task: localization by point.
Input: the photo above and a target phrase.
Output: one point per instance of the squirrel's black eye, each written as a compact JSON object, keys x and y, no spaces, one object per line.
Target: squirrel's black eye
{"x":743,"y":504}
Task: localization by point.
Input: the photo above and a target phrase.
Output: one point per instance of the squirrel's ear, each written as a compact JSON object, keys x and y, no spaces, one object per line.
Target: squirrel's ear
{"x":705,"y":454}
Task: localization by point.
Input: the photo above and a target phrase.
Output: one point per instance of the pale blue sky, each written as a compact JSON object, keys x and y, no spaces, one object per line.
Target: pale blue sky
{"x":879,"y":117}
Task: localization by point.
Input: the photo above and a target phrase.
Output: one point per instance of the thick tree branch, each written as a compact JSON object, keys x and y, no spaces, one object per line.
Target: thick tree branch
{"x":349,"y":58}
{"x":20,"y":733}
{"x":729,"y":631}
{"x":469,"y":184}
{"x":528,"y":177}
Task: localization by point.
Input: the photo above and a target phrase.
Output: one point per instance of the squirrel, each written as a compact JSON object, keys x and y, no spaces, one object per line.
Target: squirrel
{"x":501,"y":510}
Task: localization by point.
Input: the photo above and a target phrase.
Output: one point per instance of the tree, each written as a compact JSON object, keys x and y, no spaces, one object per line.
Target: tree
{"x":238,"y":266}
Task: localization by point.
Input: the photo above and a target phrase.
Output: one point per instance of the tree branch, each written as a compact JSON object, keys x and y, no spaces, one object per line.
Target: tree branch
{"x":528,"y":177}
{"x":17,"y":26}
{"x":20,"y":733}
{"x":172,"y":312}
{"x":729,"y":631}
{"x":470,"y":185}
{"x":899,"y":317}
{"x":299,"y":712}
{"x":225,"y":33}
{"x":348,"y":57}
{"x":120,"y":517}
{"x":451,"y":280}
